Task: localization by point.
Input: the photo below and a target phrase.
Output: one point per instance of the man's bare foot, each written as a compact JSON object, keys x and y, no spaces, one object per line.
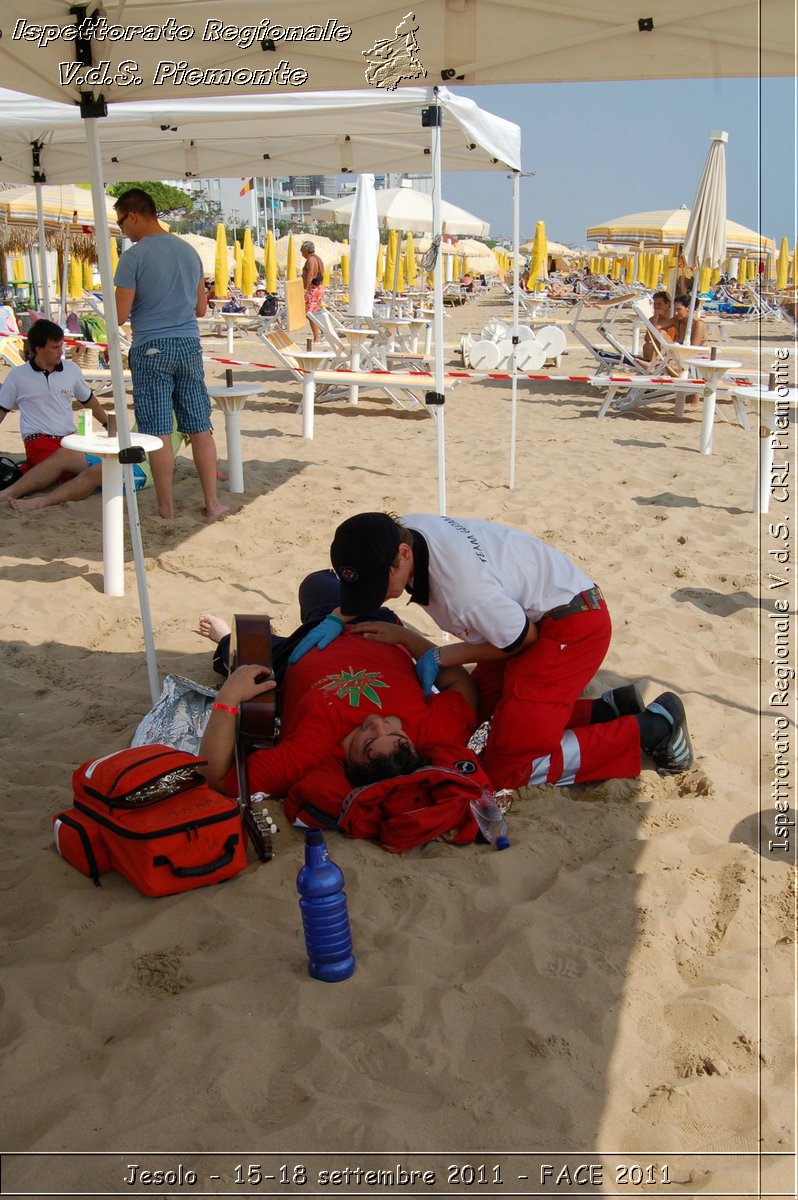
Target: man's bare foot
{"x":166,"y":514}
{"x":218,"y":510}
{"x":212,"y":627}
{"x":28,"y":505}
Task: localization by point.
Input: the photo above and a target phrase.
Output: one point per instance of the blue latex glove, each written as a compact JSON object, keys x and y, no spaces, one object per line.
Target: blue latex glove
{"x":427,"y":668}
{"x":324,"y":633}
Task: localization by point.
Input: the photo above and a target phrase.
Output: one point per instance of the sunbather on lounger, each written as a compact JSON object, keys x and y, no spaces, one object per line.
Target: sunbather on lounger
{"x":663,"y":320}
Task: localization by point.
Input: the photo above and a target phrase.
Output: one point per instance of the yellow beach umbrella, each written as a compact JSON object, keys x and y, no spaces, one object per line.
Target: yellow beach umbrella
{"x":540,"y":256}
{"x":88,"y":275}
{"x":380,"y":262}
{"x":114,"y":254}
{"x":400,"y":278}
{"x":221,"y":275}
{"x":410,"y":261}
{"x":75,"y":278}
{"x":345,"y":270}
{"x":794,"y":275}
{"x":19,"y":269}
{"x":290,"y":260}
{"x":325,"y":278}
{"x":783,"y":266}
{"x":238,"y":258}
{"x":249,"y":272}
{"x":390,"y":260}
{"x":617,"y":264}
{"x":714,"y":276}
{"x":704,"y":280}
{"x":270,"y":263}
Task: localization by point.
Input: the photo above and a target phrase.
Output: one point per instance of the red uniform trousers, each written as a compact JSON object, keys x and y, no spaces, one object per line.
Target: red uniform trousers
{"x":540,"y":731}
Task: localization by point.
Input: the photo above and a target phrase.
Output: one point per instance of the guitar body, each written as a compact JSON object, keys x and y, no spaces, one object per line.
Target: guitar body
{"x":250,"y":643}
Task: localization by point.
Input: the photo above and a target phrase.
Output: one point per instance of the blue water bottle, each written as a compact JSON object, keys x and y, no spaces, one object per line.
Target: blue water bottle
{"x":322,"y":901}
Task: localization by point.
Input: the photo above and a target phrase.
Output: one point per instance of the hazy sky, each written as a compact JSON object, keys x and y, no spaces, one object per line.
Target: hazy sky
{"x":601,"y":150}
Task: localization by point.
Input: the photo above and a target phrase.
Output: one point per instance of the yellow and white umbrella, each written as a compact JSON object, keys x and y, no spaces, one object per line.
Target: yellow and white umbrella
{"x":668,"y":227}
{"x":206,"y":248}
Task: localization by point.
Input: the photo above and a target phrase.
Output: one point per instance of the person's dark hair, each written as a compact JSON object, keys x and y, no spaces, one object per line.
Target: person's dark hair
{"x":402,"y":761}
{"x":666,"y":296}
{"x":682,"y":299}
{"x":135,"y":200}
{"x":40,"y":333}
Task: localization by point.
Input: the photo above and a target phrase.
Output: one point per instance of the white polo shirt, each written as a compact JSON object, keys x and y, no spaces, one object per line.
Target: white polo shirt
{"x":44,"y":399}
{"x":488,"y":581}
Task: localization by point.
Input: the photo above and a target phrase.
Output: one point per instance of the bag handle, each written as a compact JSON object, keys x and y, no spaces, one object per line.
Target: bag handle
{"x":161,"y":860}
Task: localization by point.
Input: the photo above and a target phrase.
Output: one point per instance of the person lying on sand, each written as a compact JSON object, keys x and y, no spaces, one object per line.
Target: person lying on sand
{"x":356,"y":701}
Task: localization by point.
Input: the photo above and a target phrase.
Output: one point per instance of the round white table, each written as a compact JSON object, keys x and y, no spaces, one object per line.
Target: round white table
{"x":100,"y":444}
{"x":231,"y":400}
{"x":710,"y":369}
{"x":766,"y":399}
{"x":231,"y":320}
{"x":309,"y":362}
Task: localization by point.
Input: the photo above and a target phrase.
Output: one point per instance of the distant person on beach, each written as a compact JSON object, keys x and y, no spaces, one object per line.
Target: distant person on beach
{"x":43,"y":390}
{"x":160,"y":286}
{"x":355,"y":701}
{"x":535,"y":625}
{"x":681,"y":313}
{"x":313,"y":283}
{"x":663,"y":321}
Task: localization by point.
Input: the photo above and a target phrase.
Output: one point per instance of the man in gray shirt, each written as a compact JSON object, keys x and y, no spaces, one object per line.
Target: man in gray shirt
{"x":160,"y":286}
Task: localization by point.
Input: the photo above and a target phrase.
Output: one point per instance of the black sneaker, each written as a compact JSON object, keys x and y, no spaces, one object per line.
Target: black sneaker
{"x":624,"y":701}
{"x":674,"y":754}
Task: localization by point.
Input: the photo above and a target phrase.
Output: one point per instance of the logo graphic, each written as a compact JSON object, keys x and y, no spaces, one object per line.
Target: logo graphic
{"x":467,"y":767}
{"x":393,"y":59}
{"x":352,"y":685}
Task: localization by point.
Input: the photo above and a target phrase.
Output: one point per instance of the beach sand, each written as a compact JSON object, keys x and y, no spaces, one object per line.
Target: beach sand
{"x":601,"y":988}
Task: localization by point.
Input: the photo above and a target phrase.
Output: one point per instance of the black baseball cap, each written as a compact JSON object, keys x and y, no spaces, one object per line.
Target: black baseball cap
{"x":362,"y":552}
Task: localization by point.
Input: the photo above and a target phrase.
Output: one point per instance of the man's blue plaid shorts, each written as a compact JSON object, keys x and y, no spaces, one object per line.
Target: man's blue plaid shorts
{"x":168,"y":377}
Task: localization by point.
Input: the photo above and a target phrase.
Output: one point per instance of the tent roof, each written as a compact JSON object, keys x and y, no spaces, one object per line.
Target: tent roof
{"x":308,"y":133}
{"x":483,"y":41}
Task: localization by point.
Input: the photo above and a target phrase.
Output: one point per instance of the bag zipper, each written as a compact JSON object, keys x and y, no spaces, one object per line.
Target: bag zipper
{"x":187,"y":827}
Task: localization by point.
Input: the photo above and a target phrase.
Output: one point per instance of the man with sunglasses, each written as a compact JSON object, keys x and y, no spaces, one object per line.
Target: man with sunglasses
{"x":160,"y":286}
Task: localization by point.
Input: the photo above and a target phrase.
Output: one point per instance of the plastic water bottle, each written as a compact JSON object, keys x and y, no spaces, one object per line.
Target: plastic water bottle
{"x":490,"y":819}
{"x":322,"y":902}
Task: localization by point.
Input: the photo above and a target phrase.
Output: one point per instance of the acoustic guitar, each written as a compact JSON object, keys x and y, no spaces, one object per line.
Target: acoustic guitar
{"x":250,"y":644}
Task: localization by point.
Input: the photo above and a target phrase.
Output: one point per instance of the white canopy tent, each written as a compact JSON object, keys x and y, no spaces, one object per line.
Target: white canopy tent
{"x":484,"y":41}
{"x":33,"y":135}
{"x":327,"y":47}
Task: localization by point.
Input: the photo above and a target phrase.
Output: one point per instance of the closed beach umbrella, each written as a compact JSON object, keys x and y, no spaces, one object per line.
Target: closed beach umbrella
{"x":221,"y":274}
{"x":704,"y":280}
{"x":114,"y":254}
{"x":364,"y":241}
{"x":410,"y":261}
{"x":249,"y":272}
{"x":75,"y":285}
{"x":88,"y":274}
{"x":270,"y":263}
{"x":19,"y":269}
{"x":390,"y":261}
{"x":540,"y":256}
{"x":380,"y":262}
{"x":290,"y":260}
{"x":783,"y":266}
{"x":345,"y":269}
{"x":238,"y":258}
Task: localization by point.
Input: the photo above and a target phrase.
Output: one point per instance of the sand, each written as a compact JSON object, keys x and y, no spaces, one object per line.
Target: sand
{"x":619,"y":983}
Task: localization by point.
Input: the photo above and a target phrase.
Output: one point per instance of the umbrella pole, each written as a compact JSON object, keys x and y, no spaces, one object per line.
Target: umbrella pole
{"x":42,"y":252}
{"x":693,"y":298}
{"x":436,"y":113}
{"x":514,"y":369}
{"x":120,"y":406}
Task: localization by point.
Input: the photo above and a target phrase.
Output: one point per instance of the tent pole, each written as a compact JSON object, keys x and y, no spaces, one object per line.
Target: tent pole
{"x":436,"y":112}
{"x":120,"y":406}
{"x":514,"y":370}
{"x":45,"y":285}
